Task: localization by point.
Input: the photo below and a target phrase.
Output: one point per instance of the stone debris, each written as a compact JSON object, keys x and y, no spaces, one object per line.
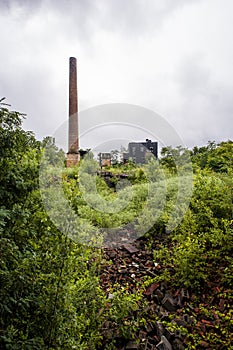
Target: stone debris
{"x":169,"y":303}
{"x":127,"y":266}
{"x":159,"y":329}
{"x":130,"y":248}
{"x":158,"y":296}
{"x":151,"y":288}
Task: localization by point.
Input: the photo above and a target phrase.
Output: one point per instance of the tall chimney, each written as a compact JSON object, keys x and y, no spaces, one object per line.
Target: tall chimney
{"x":73,"y":142}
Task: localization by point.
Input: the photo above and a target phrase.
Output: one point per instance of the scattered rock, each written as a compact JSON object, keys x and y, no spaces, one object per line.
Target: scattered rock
{"x":204,"y":344}
{"x":222,"y":305}
{"x":169,"y":303}
{"x":151,"y":288}
{"x":130,"y":248}
{"x":128,"y":267}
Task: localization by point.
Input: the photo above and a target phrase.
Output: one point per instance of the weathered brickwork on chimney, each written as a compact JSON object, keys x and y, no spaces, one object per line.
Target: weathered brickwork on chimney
{"x":73,"y":140}
{"x":72,"y":159}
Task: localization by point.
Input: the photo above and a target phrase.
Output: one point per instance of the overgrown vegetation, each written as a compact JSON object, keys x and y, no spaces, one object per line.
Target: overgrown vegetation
{"x":51,"y":297}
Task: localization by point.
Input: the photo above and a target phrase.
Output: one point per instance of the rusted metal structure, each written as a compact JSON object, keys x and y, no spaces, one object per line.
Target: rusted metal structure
{"x":73,"y":139}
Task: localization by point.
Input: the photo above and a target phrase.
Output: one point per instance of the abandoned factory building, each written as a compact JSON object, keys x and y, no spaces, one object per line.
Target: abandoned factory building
{"x":139,"y":151}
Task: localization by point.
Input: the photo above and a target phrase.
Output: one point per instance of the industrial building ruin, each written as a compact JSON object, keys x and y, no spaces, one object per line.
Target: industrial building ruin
{"x":138,"y":152}
{"x":105,"y":159}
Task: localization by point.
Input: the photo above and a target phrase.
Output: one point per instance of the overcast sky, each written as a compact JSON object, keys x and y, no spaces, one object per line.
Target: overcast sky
{"x":174,"y":57}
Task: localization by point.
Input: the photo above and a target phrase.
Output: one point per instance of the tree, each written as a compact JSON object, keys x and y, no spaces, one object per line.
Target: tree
{"x":49,"y":294}
{"x":221,"y":159}
{"x":19,"y":156}
{"x":174,"y":158}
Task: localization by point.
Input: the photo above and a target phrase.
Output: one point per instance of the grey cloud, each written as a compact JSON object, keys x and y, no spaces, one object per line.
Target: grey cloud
{"x":130,"y":18}
{"x":207,"y":106}
{"x":27,"y":5}
{"x":193,"y":77}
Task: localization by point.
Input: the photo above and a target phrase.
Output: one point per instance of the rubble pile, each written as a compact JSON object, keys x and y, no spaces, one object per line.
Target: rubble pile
{"x":129,"y":266}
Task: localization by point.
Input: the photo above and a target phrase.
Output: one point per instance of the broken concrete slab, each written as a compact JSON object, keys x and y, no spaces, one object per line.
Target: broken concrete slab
{"x":164,"y":344}
{"x":159,"y":329}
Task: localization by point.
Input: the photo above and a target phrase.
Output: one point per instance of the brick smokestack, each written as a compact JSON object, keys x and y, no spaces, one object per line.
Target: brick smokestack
{"x":73,"y":142}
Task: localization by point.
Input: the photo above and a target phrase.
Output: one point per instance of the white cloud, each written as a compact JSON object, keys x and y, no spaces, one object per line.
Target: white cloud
{"x":174,"y":57}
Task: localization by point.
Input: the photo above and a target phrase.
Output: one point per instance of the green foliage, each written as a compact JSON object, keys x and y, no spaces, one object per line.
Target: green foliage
{"x":221,"y":159}
{"x":50,"y":294}
{"x":124,"y":315}
{"x":19,"y":155}
{"x":220,"y":334}
{"x":204,"y":239}
{"x":217,"y":157}
{"x":175,"y":159}
{"x":52,"y":155}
